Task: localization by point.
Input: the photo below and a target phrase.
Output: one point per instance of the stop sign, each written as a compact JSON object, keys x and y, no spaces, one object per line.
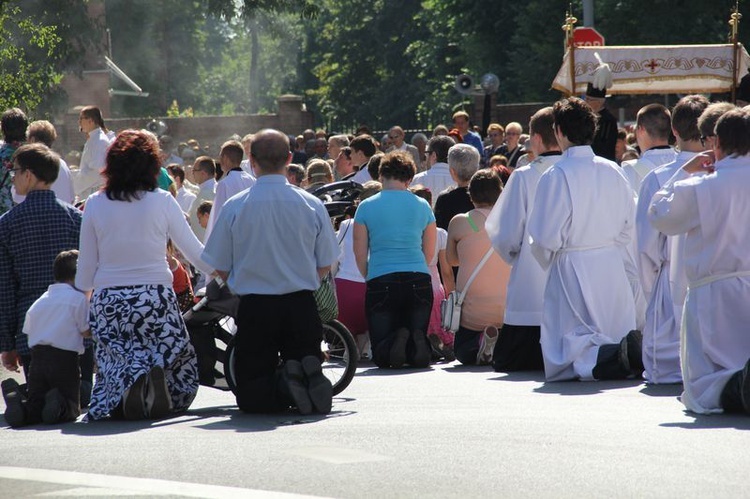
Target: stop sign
{"x":587,"y":37}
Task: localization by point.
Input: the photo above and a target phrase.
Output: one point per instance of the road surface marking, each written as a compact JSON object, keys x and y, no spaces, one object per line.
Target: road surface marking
{"x":131,"y":484}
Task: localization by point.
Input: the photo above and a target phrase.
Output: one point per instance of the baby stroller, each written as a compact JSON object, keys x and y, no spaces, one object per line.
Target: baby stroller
{"x":210,"y":323}
{"x":339,"y":198}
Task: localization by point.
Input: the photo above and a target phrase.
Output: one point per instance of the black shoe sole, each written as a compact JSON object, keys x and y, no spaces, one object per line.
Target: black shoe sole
{"x":294,"y":377}
{"x":634,"y":344}
{"x":133,"y":400}
{"x":54,"y":407}
{"x":14,"y":413}
{"x":319,"y":387}
{"x":158,"y":402}
{"x":744,"y":388}
{"x":397,"y":355}
{"x":422,"y":354}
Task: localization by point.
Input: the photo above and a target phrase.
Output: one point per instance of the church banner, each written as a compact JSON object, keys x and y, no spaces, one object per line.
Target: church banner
{"x":665,"y":69}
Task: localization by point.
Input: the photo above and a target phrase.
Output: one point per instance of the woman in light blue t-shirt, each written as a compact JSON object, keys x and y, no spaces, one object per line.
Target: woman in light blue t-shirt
{"x":394,"y":238}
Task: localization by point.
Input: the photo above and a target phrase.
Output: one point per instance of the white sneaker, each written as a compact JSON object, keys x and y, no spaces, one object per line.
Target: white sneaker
{"x":487,"y":345}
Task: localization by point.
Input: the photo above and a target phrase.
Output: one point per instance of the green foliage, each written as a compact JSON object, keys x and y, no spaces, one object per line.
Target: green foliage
{"x":387,"y":62}
{"x":27,"y":59}
{"x":379,"y":62}
{"x":225,"y":85}
{"x":231,"y":9}
{"x":174,"y":111}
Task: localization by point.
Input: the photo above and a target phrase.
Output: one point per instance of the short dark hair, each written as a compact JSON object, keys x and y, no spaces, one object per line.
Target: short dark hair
{"x":440,"y":144}
{"x":365,"y":144}
{"x":421,"y":192}
{"x":733,"y":132}
{"x":204,"y":208}
{"x":40,"y":160}
{"x":710,"y":115}
{"x":485,"y":187}
{"x":176,"y":171}
{"x":576,"y":120}
{"x":373,"y":165}
{"x":298,"y":171}
{"x":541,"y":124}
{"x":232,"y":150}
{"x":94,"y":114}
{"x":397,"y":165}
{"x":132,"y":165}
{"x":205,"y":164}
{"x":13,"y":124}
{"x":685,"y":116}
{"x":42,"y":131}
{"x":64,"y":268}
{"x":498,"y":159}
{"x":656,"y":120}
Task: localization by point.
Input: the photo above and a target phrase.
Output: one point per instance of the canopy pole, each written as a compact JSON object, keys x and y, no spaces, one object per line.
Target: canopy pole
{"x":568,"y":28}
{"x":734,"y":22}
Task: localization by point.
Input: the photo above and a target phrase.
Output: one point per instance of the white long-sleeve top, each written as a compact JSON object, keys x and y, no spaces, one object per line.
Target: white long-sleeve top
{"x":124,"y":243}
{"x":232,"y":183}
{"x":93,"y":159}
{"x":507,"y":227}
{"x":711,"y":211}
{"x":582,"y":219}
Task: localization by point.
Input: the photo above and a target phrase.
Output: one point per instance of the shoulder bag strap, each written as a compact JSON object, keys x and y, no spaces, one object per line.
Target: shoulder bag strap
{"x":473,"y":275}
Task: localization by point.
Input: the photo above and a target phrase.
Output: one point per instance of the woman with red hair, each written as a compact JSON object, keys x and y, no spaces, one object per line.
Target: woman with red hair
{"x":147,"y":366}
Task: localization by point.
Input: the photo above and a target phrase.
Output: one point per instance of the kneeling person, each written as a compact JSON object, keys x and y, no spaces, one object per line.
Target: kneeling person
{"x":55,"y":324}
{"x":272,"y":244}
{"x":579,"y":228}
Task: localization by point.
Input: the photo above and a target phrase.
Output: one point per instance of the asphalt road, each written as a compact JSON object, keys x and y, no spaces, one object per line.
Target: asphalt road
{"x":446,"y":432}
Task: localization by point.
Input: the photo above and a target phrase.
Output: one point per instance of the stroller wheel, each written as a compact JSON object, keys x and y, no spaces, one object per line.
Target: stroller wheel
{"x":339,"y":355}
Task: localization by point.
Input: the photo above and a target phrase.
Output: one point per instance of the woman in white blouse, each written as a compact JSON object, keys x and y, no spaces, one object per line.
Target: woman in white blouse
{"x":147,"y":366}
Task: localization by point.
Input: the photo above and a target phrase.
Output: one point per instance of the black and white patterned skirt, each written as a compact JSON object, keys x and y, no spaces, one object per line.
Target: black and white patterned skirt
{"x":137,"y":328}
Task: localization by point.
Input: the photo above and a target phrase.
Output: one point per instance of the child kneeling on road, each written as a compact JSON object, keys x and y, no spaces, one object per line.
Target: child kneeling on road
{"x":56,"y":324}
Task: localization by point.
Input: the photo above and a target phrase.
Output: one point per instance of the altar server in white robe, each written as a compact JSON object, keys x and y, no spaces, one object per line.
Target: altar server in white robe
{"x":652,"y":129}
{"x":234,"y":181}
{"x":653,"y":124}
{"x":583,"y":216}
{"x":712,"y":210}
{"x":661,"y":333}
{"x":518,"y":348}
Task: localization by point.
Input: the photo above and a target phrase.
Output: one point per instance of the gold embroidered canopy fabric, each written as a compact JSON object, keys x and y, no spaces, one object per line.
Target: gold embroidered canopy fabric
{"x":662,"y":69}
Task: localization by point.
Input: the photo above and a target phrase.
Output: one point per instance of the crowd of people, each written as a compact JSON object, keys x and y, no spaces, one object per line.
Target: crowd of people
{"x":579,"y":250}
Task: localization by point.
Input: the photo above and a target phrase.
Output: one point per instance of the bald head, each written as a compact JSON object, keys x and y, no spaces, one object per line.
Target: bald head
{"x":270,"y":151}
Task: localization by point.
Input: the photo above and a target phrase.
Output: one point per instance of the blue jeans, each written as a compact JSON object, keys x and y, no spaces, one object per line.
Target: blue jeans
{"x":394,"y":301}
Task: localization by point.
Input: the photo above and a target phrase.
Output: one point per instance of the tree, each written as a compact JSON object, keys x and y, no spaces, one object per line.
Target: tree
{"x":77,"y":36}
{"x":224,"y":84}
{"x":356,"y":53}
{"x":163,"y":52}
{"x":28,"y":58}
{"x":257,"y":15}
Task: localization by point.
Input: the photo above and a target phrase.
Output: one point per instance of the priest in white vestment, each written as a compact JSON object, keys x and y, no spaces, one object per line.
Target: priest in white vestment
{"x":518,"y":348}
{"x":712,"y":211}
{"x":583,"y":217}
